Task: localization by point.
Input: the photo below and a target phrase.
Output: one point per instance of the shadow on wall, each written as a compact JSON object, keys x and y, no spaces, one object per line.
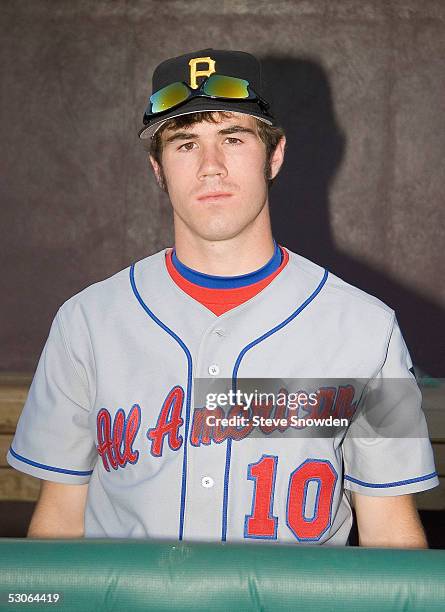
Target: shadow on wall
{"x":300,"y":204}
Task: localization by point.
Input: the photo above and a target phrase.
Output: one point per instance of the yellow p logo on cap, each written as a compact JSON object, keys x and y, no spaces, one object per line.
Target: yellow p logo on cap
{"x":197,"y":73}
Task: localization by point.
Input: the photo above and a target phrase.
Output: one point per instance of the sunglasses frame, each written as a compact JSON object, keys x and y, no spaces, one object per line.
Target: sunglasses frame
{"x":199,"y":93}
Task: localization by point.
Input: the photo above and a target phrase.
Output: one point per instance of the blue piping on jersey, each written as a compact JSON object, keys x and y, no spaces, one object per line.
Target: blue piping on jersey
{"x":234,"y":378}
{"x":385,"y":485}
{"x":51,"y":468}
{"x":188,"y":396}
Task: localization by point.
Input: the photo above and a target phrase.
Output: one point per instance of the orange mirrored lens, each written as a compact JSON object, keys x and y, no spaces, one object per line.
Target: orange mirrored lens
{"x":222,"y":86}
{"x":169,"y":96}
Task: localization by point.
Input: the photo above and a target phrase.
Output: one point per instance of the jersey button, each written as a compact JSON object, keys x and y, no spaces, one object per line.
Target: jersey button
{"x":214,"y":369}
{"x":207,"y":482}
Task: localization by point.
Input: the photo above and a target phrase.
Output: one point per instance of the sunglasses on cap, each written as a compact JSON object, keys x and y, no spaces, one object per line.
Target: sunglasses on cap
{"x":216,"y":86}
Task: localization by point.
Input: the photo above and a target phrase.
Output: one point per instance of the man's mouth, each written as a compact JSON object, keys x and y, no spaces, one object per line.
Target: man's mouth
{"x":214,"y":195}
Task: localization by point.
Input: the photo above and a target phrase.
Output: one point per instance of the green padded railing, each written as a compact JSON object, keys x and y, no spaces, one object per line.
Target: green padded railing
{"x":133,"y":575}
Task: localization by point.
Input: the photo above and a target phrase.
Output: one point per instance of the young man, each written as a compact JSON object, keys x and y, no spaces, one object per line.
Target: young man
{"x":112,"y":424}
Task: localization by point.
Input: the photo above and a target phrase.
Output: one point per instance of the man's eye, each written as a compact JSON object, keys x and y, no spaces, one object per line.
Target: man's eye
{"x":187,"y":146}
{"x":232,"y":139}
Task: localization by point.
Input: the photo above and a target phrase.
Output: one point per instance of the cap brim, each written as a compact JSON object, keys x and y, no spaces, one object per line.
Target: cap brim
{"x":202,"y":105}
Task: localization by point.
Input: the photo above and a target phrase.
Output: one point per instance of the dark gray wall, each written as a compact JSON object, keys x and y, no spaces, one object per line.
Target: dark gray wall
{"x":359,"y":87}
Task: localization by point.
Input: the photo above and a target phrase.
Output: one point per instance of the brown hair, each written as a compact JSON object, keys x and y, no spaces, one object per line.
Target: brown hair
{"x":270,"y":135}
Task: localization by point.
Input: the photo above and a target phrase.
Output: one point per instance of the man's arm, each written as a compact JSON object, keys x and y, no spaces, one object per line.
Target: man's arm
{"x":389,"y":522}
{"x":59,"y":512}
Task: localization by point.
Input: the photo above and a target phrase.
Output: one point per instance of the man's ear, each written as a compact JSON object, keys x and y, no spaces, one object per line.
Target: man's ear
{"x":156,"y":169}
{"x":159,"y":174}
{"x":277,"y":157}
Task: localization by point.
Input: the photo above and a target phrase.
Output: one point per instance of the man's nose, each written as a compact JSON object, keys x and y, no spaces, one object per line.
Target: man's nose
{"x":212,"y":162}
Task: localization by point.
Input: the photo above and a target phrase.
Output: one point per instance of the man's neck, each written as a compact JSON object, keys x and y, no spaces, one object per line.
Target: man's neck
{"x":244,"y":253}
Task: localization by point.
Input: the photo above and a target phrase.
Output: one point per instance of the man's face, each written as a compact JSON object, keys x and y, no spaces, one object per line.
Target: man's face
{"x":214,"y":173}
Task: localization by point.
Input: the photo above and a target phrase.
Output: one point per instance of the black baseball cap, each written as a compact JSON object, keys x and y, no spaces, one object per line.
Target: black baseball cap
{"x":193,"y":68}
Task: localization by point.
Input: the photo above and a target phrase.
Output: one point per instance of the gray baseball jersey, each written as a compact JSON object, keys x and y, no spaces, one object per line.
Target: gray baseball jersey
{"x":112,"y":405}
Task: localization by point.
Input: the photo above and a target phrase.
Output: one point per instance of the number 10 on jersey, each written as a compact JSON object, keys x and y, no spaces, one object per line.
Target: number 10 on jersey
{"x":261,"y":522}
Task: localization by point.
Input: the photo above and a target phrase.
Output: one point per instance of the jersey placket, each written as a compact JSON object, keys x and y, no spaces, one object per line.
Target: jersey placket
{"x":206,"y":462}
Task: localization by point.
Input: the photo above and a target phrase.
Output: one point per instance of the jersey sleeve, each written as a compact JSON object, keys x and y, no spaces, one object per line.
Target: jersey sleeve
{"x":387,"y":450}
{"x":53,"y":440}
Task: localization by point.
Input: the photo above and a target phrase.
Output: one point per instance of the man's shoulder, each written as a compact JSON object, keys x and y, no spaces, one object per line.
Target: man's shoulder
{"x":338,"y":290}
{"x":113,"y":291}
